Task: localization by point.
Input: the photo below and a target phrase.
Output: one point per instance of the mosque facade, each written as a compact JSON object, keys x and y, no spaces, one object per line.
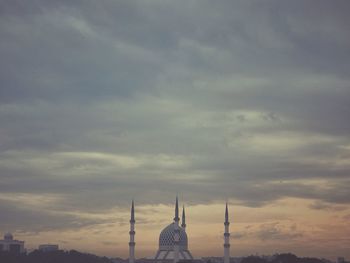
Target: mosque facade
{"x":173,"y":240}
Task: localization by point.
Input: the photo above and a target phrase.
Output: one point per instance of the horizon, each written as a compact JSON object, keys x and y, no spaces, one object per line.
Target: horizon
{"x":266,"y":256}
{"x":245,"y":102}
{"x":148,"y":230}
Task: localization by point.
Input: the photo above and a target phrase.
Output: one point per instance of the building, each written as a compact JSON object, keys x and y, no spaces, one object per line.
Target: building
{"x":48,"y":247}
{"x":173,"y":241}
{"x":11,"y":245}
{"x":167,"y":243}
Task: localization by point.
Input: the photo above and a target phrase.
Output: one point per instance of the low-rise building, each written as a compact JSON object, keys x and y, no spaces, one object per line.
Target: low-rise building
{"x":11,"y":245}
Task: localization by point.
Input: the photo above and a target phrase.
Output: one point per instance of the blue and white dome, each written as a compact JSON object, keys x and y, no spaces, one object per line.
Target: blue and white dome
{"x":166,"y":238}
{"x":168,"y":248}
{"x":167,"y":243}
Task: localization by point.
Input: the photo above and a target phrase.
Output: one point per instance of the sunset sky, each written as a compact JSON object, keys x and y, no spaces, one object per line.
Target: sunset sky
{"x":240,"y":101}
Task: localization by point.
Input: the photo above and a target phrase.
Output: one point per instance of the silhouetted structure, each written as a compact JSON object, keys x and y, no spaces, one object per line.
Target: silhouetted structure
{"x":227,"y":237}
{"x":132,"y":235}
{"x":73,"y":256}
{"x":173,"y":240}
{"x":11,"y":245}
{"x":52,"y":257}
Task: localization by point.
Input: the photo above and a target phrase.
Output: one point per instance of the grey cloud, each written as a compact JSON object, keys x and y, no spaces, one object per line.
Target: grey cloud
{"x":108,"y":243}
{"x":346,"y":217}
{"x":96,"y":185}
{"x":17,"y":218}
{"x":273,"y":231}
{"x":270,"y":231}
{"x":318,"y":205}
{"x":238,"y":235}
{"x":187,"y":88}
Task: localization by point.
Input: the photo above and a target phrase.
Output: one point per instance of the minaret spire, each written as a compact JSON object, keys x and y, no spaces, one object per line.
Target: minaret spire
{"x":183,"y":224}
{"x":176,"y":210}
{"x":132,"y":235}
{"x":132,"y":217}
{"x":176,"y":232}
{"x":227,"y":237}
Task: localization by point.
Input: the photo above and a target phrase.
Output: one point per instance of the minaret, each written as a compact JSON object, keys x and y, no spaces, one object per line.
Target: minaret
{"x":183,"y":223}
{"x":176,"y":232}
{"x":227,"y":238}
{"x":132,"y":235}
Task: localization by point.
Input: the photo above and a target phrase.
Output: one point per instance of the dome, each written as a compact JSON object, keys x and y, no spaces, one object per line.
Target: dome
{"x":168,"y":249}
{"x":8,"y":236}
{"x":166,"y":238}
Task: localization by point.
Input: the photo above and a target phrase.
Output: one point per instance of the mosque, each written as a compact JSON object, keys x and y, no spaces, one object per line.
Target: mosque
{"x":173,"y":240}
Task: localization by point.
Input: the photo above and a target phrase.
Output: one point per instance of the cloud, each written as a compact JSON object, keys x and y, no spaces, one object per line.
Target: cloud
{"x":238,"y":235}
{"x":273,"y":231}
{"x":319,"y":205}
{"x":103,"y":102}
{"x":35,"y":220}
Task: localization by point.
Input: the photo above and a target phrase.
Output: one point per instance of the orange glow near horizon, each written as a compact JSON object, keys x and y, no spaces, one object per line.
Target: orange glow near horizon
{"x":288,"y":225}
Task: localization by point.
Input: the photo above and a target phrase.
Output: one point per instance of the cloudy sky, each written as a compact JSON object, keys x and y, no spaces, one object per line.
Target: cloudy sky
{"x":239,"y":101}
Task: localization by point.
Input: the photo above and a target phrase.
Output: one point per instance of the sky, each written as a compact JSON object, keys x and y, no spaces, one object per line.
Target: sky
{"x":246,"y":101}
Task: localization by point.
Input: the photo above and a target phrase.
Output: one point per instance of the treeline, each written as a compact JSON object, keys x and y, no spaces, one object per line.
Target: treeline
{"x":52,"y":257}
{"x":77,"y":257}
{"x":282,"y":258}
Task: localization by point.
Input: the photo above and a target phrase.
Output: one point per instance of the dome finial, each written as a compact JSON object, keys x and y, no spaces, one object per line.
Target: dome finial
{"x":226,"y":214}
